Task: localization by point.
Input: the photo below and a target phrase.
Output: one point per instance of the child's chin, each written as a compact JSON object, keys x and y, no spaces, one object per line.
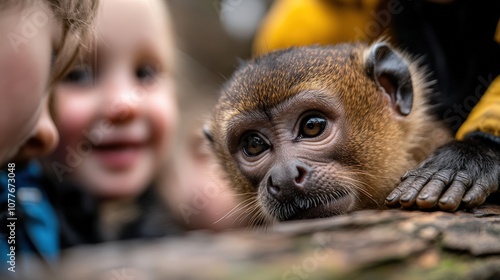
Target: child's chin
{"x":120,"y":185}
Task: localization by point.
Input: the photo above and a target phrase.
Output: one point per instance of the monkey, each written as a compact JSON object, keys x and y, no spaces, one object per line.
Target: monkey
{"x":317,"y":131}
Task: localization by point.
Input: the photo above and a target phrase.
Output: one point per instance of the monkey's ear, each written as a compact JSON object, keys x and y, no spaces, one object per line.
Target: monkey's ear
{"x":391,"y":72}
{"x":208,"y":133}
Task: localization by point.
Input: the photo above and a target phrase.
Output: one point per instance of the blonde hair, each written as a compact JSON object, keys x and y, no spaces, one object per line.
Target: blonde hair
{"x":76,"y":17}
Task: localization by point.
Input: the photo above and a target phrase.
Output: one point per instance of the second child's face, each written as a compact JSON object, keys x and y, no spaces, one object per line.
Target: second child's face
{"x":116,"y":110}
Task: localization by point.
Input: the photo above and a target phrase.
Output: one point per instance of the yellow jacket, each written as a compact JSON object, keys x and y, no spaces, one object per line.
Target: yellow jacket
{"x":289,"y":23}
{"x":485,"y":116}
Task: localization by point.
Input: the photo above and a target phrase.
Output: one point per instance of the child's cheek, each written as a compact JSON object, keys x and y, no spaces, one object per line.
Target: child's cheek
{"x":163,"y":114}
{"x":74,"y":116}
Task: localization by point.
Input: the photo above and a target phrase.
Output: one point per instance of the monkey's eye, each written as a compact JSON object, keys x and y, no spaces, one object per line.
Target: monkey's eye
{"x":253,"y":144}
{"x":312,"y":126}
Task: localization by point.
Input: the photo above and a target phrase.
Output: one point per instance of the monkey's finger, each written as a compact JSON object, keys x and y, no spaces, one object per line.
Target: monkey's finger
{"x":476,"y":195}
{"x":411,"y":173}
{"x":451,"y":199}
{"x":412,"y":189}
{"x":431,"y":192}
{"x":392,"y":200}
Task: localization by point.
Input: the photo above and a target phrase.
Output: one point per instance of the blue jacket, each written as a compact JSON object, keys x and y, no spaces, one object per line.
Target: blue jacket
{"x":36,"y":225}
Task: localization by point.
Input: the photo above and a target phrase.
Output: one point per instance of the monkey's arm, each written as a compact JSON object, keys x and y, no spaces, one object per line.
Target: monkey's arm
{"x":466,"y":171}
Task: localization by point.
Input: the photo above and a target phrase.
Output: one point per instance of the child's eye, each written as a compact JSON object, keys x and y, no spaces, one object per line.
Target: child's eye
{"x":80,"y":75}
{"x":146,"y":74}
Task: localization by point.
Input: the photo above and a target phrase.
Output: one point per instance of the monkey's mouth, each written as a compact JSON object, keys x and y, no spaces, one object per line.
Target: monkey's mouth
{"x":336,"y":203}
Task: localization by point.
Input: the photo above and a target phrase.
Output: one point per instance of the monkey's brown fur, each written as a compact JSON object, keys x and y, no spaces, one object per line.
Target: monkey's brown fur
{"x":377,"y":146}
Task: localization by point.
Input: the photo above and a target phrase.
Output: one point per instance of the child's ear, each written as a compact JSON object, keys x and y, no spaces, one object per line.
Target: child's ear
{"x":208,"y":133}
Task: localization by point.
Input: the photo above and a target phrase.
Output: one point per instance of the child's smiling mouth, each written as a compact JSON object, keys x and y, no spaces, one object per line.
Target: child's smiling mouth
{"x":121,"y":154}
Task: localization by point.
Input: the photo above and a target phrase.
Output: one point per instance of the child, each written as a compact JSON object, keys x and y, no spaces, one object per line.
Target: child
{"x":38,"y":42}
{"x":116,"y":112}
{"x":32,"y":36}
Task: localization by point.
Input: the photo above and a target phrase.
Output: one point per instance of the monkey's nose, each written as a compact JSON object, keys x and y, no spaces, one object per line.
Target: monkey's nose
{"x":287,"y":180}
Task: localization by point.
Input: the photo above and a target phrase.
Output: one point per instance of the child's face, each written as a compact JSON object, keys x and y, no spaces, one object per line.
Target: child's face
{"x":28,"y":36}
{"x":116,"y":111}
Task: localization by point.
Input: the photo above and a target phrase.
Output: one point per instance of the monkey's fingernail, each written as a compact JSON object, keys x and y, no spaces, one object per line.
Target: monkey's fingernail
{"x":444,"y":200}
{"x":423,"y":196}
{"x":466,"y":199}
{"x":406,"y":198}
{"x":391,"y":197}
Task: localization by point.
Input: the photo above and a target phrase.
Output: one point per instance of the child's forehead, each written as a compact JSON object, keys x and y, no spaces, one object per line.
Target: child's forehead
{"x":131,"y":25}
{"x":133,"y":11}
{"x":125,"y":22}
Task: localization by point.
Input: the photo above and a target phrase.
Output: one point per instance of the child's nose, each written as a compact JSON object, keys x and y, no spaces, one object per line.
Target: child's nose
{"x":122,"y":101}
{"x":44,"y":139}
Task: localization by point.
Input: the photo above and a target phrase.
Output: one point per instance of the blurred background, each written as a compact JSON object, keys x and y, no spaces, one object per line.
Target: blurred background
{"x":211,"y":36}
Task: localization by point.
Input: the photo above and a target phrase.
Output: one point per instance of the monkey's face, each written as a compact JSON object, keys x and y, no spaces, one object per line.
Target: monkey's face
{"x":308,"y":133}
{"x":294,"y":157}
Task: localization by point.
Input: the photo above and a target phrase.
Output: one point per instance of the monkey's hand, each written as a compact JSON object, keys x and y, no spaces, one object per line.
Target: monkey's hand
{"x":459,"y":174}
